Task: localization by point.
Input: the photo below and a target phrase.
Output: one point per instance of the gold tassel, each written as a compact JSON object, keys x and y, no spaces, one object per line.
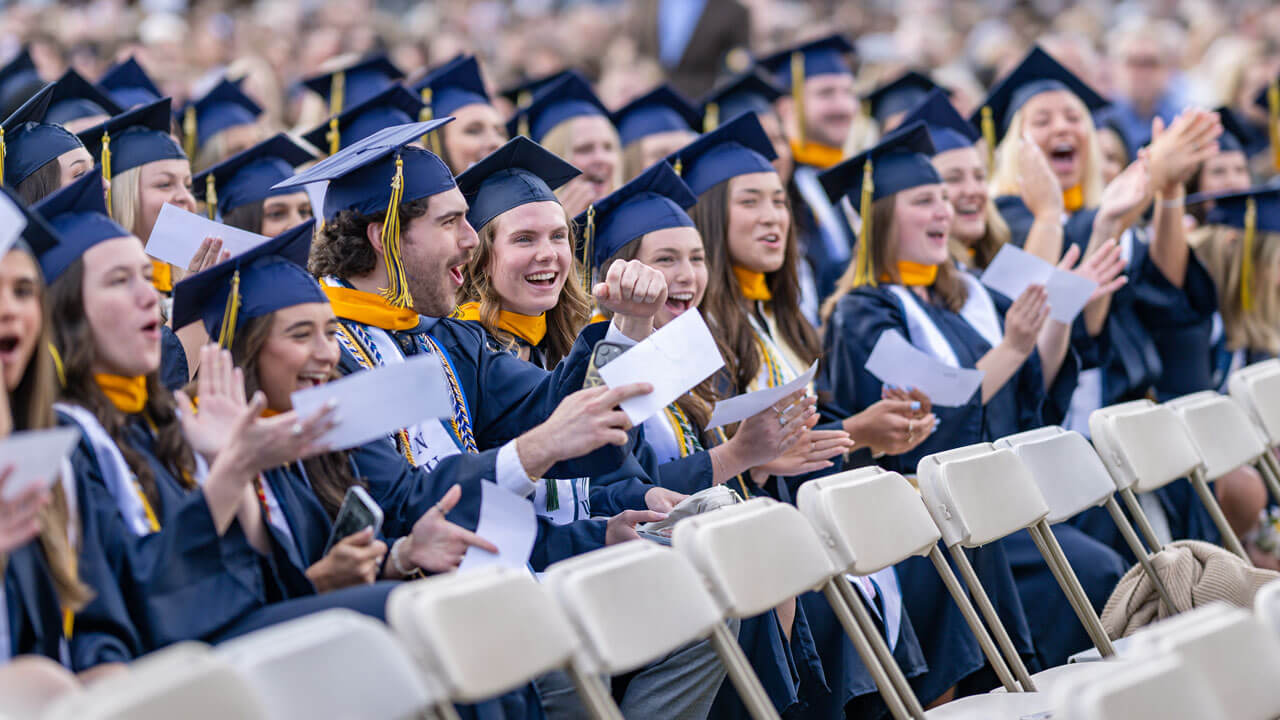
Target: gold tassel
{"x":989,"y":134}
{"x":4,"y":150}
{"x":1246,"y":254}
{"x":337,"y":92}
{"x":189,"y":132}
{"x":106,"y":167}
{"x":227,"y":333}
{"x":397,"y":292}
{"x":333,"y":136}
{"x":678,"y":166}
{"x":210,"y":196}
{"x":431,"y":140}
{"x":864,"y":271}
{"x":57,"y":365}
{"x":588,"y":239}
{"x":797,"y":93}
{"x":1273,"y":114}
{"x":711,"y":117}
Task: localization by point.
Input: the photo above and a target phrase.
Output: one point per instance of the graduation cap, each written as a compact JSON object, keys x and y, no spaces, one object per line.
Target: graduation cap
{"x":393,"y":106}
{"x":1235,"y":136}
{"x":738,"y":147}
{"x":900,"y":162}
{"x":129,"y":86}
{"x":248,"y":176}
{"x":1037,"y":73}
{"x":354,"y":84}
{"x":521,"y":94}
{"x":659,"y":110}
{"x":75,"y":98}
{"x":78,"y":215}
{"x":27,"y":142}
{"x":518,"y":173}
{"x":898,"y":95}
{"x":745,"y":93}
{"x":224,"y":106}
{"x":1269,"y":100}
{"x":132,"y":139}
{"x":262,"y":280}
{"x":378,"y":174}
{"x":455,"y":84}
{"x":655,"y":200}
{"x":1255,"y":209}
{"x":947,"y":128}
{"x":566,"y":98}
{"x":18,"y":81}
{"x":37,"y":237}
{"x":791,"y":67}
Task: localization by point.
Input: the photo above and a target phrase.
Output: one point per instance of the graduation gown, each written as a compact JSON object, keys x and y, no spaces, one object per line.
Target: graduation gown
{"x":174,"y":371}
{"x":824,"y":237}
{"x":32,"y":614}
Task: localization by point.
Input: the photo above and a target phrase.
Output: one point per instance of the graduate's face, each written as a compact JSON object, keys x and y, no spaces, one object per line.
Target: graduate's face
{"x":476,"y":131}
{"x":1114,"y":154}
{"x":122,"y":307}
{"x":160,"y":183}
{"x":435,"y":247}
{"x":20,"y":314}
{"x":965,"y":175}
{"x":301,"y":352}
{"x":759,"y":220}
{"x":282,"y":212}
{"x":1225,"y":172}
{"x":594,"y":151}
{"x":1057,"y":121}
{"x":241,"y":137}
{"x":659,"y":145}
{"x":830,"y":104}
{"x":678,"y":253}
{"x":531,"y":258}
{"x":72,"y":164}
{"x":922,"y":218}
{"x":784,"y":163}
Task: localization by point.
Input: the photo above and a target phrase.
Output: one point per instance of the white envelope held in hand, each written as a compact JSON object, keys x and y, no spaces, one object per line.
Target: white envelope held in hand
{"x":1013,"y":270}
{"x":741,"y":407}
{"x":177,"y":236}
{"x":376,"y":403}
{"x":674,"y":360}
{"x":12,"y":223}
{"x":897,"y":362}
{"x":36,"y":457}
{"x":506,"y":520}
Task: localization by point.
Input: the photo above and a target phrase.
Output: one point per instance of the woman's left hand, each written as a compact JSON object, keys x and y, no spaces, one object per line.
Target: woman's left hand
{"x":437,"y":545}
{"x":222,"y":402}
{"x":1104,"y":266}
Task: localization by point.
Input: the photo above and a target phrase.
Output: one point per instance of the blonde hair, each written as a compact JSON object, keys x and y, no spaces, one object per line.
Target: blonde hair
{"x":1004,"y":177}
{"x":1219,"y":249}
{"x":559,"y":140}
{"x":985,"y":248}
{"x":126,"y":201}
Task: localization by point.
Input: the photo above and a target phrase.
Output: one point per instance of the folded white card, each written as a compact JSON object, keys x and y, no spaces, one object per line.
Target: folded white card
{"x":315,"y":195}
{"x":741,"y":407}
{"x":506,"y":520}
{"x":674,"y":360}
{"x":36,"y":456}
{"x":12,"y":223}
{"x":377,"y":403}
{"x":177,"y":236}
{"x":1013,"y":270}
{"x":897,"y":362}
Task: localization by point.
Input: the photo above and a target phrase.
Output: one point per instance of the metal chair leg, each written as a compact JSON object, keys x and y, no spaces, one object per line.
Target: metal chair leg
{"x":1140,"y":519}
{"x":971,"y":618}
{"x":1049,"y":547}
{"x":874,"y":662}
{"x":751,"y":692}
{"x":988,"y":610}
{"x":1229,"y":538}
{"x":1140,"y":552}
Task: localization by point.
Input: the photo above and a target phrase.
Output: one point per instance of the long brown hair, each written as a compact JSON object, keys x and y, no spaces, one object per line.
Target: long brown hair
{"x":564,"y":321}
{"x":1219,"y":249}
{"x":330,"y":474}
{"x":949,"y":287}
{"x":723,"y":304}
{"x":40,"y":184}
{"x":73,"y":339}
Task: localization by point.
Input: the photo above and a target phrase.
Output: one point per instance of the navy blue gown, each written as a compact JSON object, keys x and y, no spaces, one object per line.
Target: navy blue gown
{"x":32,"y":609}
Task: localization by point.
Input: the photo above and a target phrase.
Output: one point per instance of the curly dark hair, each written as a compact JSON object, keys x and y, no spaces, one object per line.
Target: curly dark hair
{"x":342,"y":246}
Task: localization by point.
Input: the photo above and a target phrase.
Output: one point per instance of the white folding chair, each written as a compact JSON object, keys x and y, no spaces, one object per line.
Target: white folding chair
{"x":637,"y":602}
{"x":334,"y":664}
{"x":1159,"y":688}
{"x":1266,"y":605}
{"x":187,"y":680}
{"x":1145,"y":447}
{"x":461,"y":629}
{"x":1257,"y":389}
{"x":1072,"y":479}
{"x":758,"y":554}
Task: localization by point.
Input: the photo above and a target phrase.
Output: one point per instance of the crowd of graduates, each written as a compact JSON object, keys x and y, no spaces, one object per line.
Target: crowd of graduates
{"x":412,"y":210}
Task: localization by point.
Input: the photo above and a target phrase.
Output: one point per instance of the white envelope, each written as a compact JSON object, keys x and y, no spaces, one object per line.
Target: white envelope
{"x":506,"y":520}
{"x":36,"y":456}
{"x":376,"y":403}
{"x":674,"y":360}
{"x":12,"y":223}
{"x":741,"y":407}
{"x":177,"y":236}
{"x":315,"y":195}
{"x":1013,"y":270}
{"x":897,"y":362}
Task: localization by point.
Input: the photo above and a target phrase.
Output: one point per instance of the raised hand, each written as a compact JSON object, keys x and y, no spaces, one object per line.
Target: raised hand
{"x":354,"y":560}
{"x":1025,"y":318}
{"x":891,"y":426}
{"x":437,"y":545}
{"x":577,"y":194}
{"x":583,"y":422}
{"x":1124,"y":196}
{"x":222,"y":402}
{"x":259,"y":443}
{"x":209,"y":253}
{"x":634,"y":293}
{"x":1104,"y":266}
{"x":766,"y":435}
{"x":1041,"y":191}
{"x":812,"y":451}
{"x":1176,"y":152}
{"x":921,"y":403}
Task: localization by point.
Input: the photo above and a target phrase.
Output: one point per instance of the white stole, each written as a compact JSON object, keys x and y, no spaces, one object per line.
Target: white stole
{"x":119,"y":479}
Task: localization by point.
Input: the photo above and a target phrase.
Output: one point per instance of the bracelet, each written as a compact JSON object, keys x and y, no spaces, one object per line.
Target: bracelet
{"x":395,"y":560}
{"x":1180,"y":201}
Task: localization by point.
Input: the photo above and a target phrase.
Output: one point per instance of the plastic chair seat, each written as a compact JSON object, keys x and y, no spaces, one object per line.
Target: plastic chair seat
{"x":1005,"y":706}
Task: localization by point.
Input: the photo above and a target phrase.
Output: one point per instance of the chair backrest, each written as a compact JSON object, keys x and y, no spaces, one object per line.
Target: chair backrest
{"x":977,"y":494}
{"x":1144,"y":445}
{"x":754,"y":555}
{"x":1160,"y":688}
{"x":186,"y":680}
{"x":464,"y":628}
{"x":1233,"y":652}
{"x":1266,"y":605}
{"x":632,"y":604}
{"x":868,"y":518}
{"x":1257,"y":388}
{"x":1066,"y":468}
{"x":1222,"y":432}
{"x":336,"y":664}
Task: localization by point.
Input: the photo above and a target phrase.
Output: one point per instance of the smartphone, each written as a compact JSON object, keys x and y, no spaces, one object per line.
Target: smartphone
{"x":358,"y":512}
{"x":604,"y":353}
{"x":662,"y":537}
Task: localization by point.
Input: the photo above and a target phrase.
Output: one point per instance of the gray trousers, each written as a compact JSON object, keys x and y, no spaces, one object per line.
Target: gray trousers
{"x":680,"y":686}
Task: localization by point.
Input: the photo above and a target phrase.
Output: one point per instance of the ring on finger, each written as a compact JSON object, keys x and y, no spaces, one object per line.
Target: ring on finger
{"x":296,"y":430}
